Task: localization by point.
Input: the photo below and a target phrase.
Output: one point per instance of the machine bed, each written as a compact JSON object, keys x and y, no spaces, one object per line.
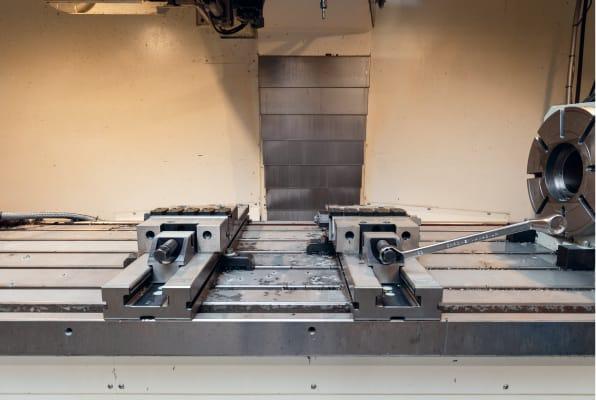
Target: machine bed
{"x":499,"y":298}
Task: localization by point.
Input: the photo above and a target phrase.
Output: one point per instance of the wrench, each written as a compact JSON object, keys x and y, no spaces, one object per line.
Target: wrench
{"x":554,"y":224}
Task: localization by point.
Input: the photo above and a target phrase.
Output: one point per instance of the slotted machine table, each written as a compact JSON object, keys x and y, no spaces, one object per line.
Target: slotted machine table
{"x":89,"y":289}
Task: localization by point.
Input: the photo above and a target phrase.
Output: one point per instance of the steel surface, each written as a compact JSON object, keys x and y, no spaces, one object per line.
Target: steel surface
{"x":277,"y":71}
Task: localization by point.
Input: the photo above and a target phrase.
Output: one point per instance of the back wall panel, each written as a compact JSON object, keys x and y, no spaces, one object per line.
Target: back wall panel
{"x":313,"y":126}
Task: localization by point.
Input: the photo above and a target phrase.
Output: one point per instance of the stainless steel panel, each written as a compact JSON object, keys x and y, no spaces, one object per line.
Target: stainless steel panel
{"x":61,"y":246}
{"x":294,"y":261}
{"x":285,"y":226}
{"x":64,"y":260}
{"x":288,"y":337}
{"x":280,"y":152}
{"x":488,"y":261}
{"x":545,"y":301}
{"x":311,"y":176}
{"x":50,"y":300}
{"x":313,"y":198}
{"x":291,"y":215}
{"x":281,"y":235}
{"x":279,"y":279}
{"x":313,"y":113}
{"x":273,"y":246}
{"x":279,"y":71}
{"x":56,"y":278}
{"x":313,"y":127}
{"x":485,"y":279}
{"x":314,"y":101}
{"x":225,"y":300}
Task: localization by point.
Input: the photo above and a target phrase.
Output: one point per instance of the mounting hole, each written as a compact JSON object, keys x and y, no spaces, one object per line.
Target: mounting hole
{"x":564,"y":172}
{"x":349,"y":235}
{"x":312,"y":330}
{"x":68,"y":332}
{"x":206,"y":235}
{"x":150,"y":234}
{"x":405,"y":235}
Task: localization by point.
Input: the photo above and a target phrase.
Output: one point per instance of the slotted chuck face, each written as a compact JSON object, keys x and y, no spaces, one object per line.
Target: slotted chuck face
{"x":561,"y":165}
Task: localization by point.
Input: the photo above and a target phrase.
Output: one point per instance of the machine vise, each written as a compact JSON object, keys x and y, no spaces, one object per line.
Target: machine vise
{"x":178,"y":251}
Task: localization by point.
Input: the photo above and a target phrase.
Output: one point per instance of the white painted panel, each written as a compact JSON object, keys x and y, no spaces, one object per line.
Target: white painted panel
{"x":419,"y":378}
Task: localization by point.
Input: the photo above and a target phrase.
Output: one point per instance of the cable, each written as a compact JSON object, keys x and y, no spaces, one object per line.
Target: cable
{"x":583,"y":16}
{"x":230,"y":31}
{"x":580,"y":58}
{"x":222,"y":31}
{"x":12,"y":216}
{"x":572,"y":46}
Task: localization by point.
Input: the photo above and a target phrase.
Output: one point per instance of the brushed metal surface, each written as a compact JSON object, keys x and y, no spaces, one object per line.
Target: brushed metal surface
{"x":305,"y":71}
{"x":508,"y":279}
{"x":314,"y":101}
{"x":68,"y":246}
{"x":488,"y":261}
{"x":497,"y":334}
{"x":310,"y":198}
{"x":290,"y":215}
{"x":263,"y":279}
{"x":64,"y":260}
{"x":56,"y":278}
{"x":313,"y":127}
{"x":275,"y":300}
{"x":283,"y":152}
{"x":313,"y":176}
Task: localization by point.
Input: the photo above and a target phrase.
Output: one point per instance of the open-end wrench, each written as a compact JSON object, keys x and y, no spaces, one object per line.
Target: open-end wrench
{"x":554,"y":224}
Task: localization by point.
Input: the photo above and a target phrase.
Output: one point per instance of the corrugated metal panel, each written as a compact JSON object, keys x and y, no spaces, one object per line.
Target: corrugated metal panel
{"x":310,"y":198}
{"x":300,"y":176}
{"x":313,"y":127}
{"x":314,"y":71}
{"x":312,"y":153}
{"x":314,"y":101}
{"x":290,"y":215}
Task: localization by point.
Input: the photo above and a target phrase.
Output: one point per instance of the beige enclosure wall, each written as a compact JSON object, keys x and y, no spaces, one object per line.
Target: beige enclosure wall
{"x":458,"y":91}
{"x":111,"y":115}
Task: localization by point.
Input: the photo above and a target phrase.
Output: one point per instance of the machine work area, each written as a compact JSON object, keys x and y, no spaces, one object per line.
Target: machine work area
{"x":288,"y":288}
{"x":281,"y":199}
